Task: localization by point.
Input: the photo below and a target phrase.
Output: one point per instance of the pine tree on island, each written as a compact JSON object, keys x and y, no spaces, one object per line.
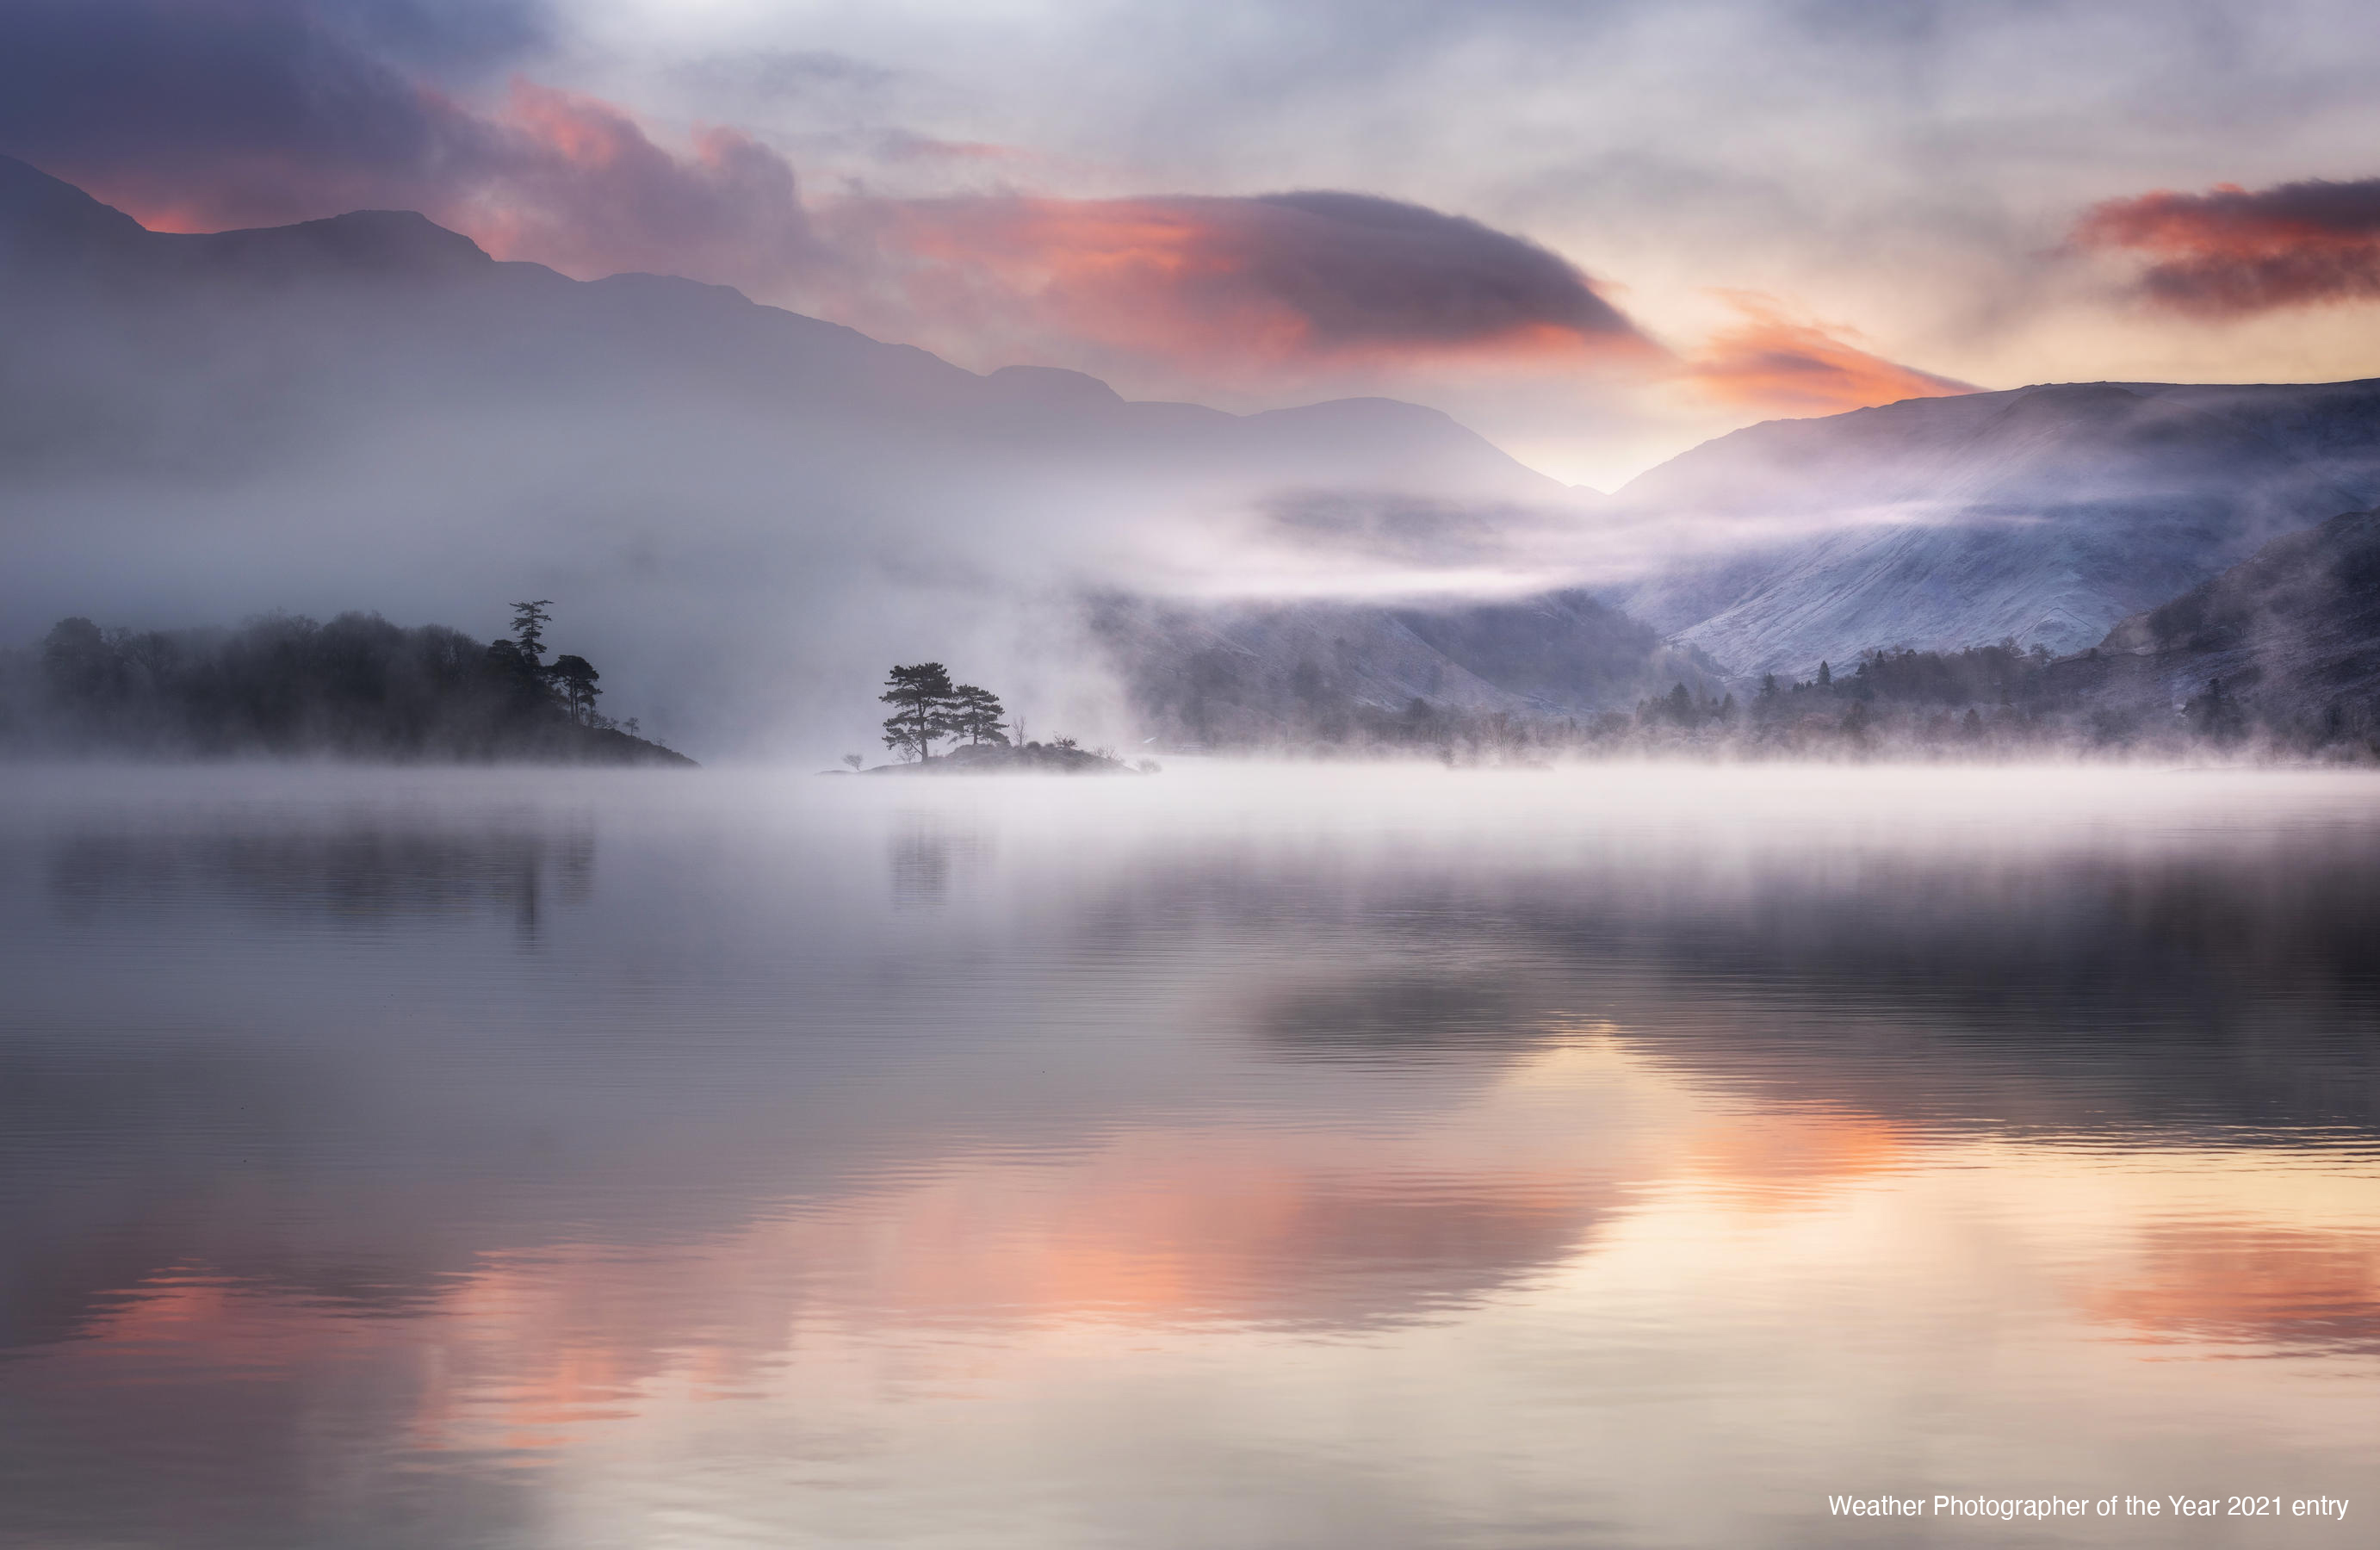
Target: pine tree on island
{"x":923,"y":702}
{"x":927,"y":706}
{"x":975,"y":715}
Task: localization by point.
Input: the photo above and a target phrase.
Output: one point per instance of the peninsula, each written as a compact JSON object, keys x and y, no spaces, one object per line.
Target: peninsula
{"x":284,"y":685}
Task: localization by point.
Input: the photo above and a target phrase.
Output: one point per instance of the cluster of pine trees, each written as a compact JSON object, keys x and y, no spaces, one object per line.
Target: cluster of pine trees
{"x":1923,"y":699}
{"x":926,"y":706}
{"x":570,"y":680}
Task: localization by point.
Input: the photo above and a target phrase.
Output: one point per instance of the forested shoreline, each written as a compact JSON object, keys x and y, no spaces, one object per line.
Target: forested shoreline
{"x":284,"y":686}
{"x":2276,"y":658}
{"x":1984,"y":704}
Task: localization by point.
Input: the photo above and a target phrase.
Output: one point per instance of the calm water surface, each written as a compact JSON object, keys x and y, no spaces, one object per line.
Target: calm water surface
{"x":1313,"y":1159}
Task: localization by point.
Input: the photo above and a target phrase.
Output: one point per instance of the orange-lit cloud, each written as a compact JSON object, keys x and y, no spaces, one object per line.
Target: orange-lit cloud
{"x":1779,"y":364}
{"x":2230,"y":252}
{"x":576,"y":183}
{"x":1238,"y":285}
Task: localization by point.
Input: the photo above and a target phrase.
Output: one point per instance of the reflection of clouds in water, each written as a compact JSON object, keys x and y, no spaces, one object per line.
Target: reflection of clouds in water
{"x":359,"y":868}
{"x":1257,"y":1142}
{"x":125,"y":1177}
{"x":1228,"y":1225}
{"x":1464,"y":1250}
{"x":2247,"y":1283}
{"x":191,"y":1414}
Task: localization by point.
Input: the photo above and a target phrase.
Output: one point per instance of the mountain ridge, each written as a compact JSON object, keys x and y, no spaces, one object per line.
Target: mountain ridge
{"x":2045,"y":513}
{"x":377,"y":245}
{"x":2286,"y":643}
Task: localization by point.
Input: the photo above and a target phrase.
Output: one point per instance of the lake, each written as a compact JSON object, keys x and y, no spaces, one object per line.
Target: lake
{"x":1306,"y":1156}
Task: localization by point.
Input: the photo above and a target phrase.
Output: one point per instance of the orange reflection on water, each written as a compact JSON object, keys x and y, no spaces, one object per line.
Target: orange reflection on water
{"x":1673,"y":1215}
{"x":1781,"y":1158}
{"x":2249,"y":1283}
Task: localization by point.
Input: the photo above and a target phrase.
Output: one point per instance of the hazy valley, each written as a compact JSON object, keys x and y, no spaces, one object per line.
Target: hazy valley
{"x":750,"y":509}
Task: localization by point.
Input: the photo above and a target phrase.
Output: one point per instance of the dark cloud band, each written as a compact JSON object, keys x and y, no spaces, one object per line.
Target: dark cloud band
{"x":2231,"y":251}
{"x":1280,"y":278}
{"x":183,"y":88}
{"x":211,"y":114}
{"x":1364,"y":270}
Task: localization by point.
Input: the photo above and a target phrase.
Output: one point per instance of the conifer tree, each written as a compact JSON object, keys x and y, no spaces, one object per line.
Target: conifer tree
{"x":975,"y":715}
{"x":923,"y":702}
{"x":576,"y":677}
{"x":528,"y":627}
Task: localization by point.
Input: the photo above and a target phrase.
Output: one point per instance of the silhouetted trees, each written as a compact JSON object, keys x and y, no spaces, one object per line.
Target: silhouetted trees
{"x":356,"y":687}
{"x":574,"y":678}
{"x":529,"y":626}
{"x":975,"y":715}
{"x":1681,"y":708}
{"x":1994,"y":702}
{"x":928,"y":706}
{"x":921,"y":696}
{"x":82,"y":667}
{"x":1991,"y":674}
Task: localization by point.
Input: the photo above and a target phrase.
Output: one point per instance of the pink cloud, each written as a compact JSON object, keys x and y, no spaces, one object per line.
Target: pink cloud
{"x":1238,"y":287}
{"x":2231,"y":251}
{"x":1779,"y":364}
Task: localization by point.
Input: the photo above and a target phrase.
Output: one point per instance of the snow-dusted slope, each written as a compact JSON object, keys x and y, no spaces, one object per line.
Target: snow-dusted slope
{"x":2045,"y":513}
{"x":2292,"y":633}
{"x":1257,"y":674}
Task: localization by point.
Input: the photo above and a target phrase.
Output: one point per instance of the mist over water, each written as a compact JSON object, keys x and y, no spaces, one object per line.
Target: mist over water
{"x":1296,"y":1156}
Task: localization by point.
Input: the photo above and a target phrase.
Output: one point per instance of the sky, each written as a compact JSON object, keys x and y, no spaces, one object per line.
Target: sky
{"x":1596,"y":233}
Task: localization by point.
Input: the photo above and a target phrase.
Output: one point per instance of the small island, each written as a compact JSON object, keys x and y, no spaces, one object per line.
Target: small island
{"x":927,"y":706}
{"x":286,"y":686}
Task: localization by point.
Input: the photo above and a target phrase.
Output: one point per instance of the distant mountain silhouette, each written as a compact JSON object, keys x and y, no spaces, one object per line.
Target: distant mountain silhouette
{"x":2043,"y":513}
{"x":212,"y":349}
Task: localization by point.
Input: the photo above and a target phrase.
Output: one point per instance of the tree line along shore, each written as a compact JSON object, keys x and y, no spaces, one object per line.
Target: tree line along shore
{"x":285,"y":685}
